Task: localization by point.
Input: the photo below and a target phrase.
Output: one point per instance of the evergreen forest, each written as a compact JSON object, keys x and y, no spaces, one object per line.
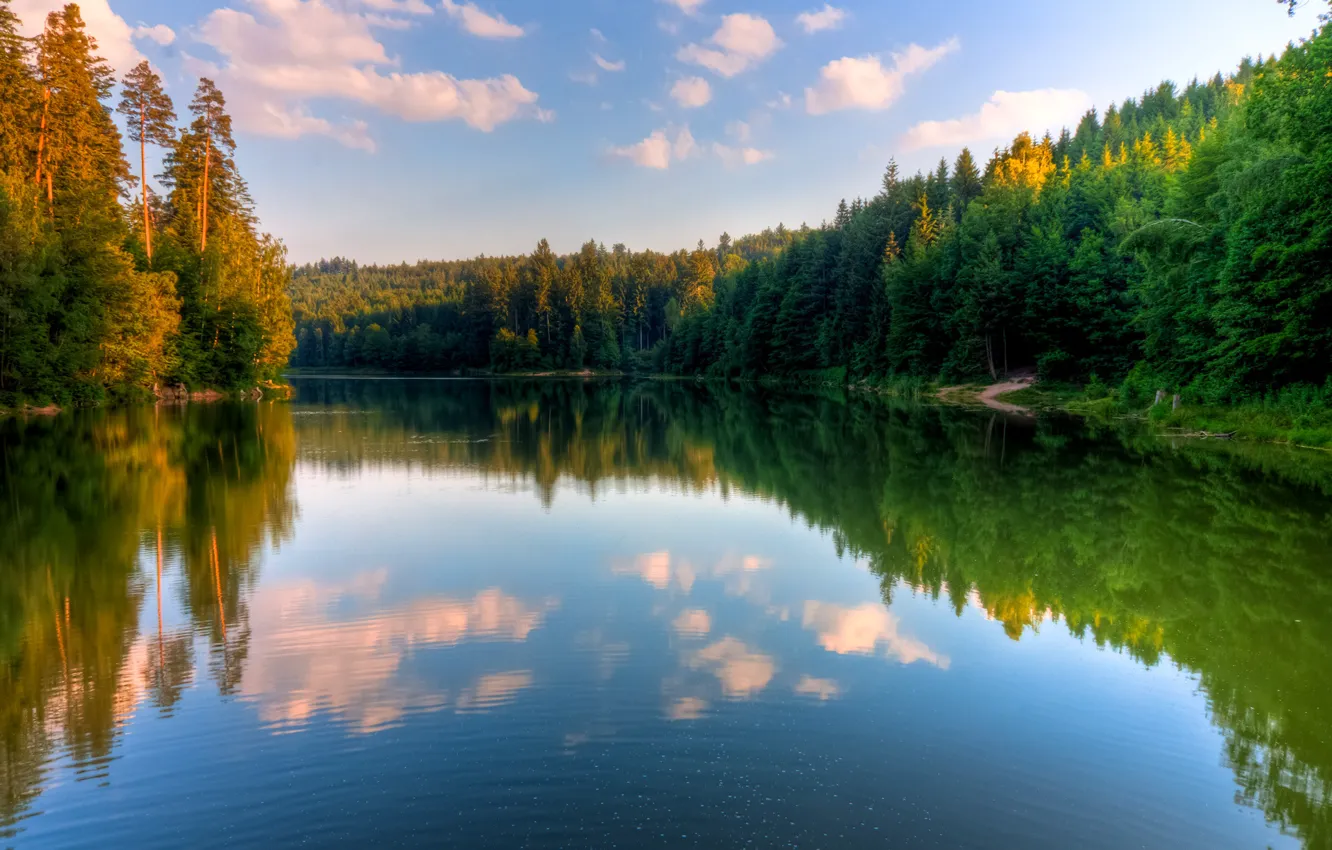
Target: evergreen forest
{"x":109,"y":289}
{"x":1178,"y":240}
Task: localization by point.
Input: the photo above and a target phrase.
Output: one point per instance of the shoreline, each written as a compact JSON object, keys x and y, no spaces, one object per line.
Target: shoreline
{"x":1021,"y":397}
{"x":1248,"y":423}
{"x":170,"y":397}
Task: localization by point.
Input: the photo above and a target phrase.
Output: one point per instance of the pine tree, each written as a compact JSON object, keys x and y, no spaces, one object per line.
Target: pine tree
{"x":79,"y":146}
{"x":19,"y":93}
{"x":545,"y":270}
{"x":966,"y":182}
{"x":843,"y":217}
{"x":151,"y":118}
{"x":213,"y":124}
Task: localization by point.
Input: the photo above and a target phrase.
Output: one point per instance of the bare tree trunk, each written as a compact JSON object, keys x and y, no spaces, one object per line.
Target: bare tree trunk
{"x":1005,"y":351}
{"x":989,"y":356}
{"x":143,"y":170}
{"x":208,"y":162}
{"x":41,"y":137}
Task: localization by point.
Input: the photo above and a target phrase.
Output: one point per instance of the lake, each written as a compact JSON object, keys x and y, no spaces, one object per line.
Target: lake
{"x":656,"y":614}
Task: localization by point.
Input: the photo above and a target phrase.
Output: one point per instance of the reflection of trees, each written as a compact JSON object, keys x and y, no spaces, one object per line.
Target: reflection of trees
{"x":596,"y":434}
{"x":1121,"y":541}
{"x":1213,"y":556}
{"x":88,"y":505}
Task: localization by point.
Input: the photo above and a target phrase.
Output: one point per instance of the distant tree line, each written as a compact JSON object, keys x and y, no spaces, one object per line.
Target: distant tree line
{"x":106,"y":289}
{"x":598,"y":308}
{"x":1181,"y":240}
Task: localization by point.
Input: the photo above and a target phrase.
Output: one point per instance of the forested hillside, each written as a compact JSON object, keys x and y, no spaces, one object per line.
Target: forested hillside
{"x":1179,"y":239}
{"x":596,"y":308}
{"x":107,"y":287}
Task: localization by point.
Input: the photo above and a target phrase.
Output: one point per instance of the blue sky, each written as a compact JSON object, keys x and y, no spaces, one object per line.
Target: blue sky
{"x":391,"y":130}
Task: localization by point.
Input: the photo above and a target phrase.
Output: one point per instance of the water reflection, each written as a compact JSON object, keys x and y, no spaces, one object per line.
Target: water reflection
{"x":306,"y":660}
{"x":84,"y":497}
{"x":1213,"y":559}
{"x":862,"y":630}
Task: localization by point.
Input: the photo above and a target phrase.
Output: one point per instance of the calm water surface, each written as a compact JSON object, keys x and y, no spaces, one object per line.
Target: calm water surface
{"x":565,"y":614}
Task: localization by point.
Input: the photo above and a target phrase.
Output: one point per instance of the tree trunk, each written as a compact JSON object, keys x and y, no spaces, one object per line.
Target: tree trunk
{"x":208,"y":162}
{"x":989,"y":356}
{"x":41,"y":137}
{"x":143,"y":170}
{"x":1005,"y":351}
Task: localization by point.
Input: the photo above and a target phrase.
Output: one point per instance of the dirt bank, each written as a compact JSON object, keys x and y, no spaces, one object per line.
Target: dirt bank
{"x":989,"y":396}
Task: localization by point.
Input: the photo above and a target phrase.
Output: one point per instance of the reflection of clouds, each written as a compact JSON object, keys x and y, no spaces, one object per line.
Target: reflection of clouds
{"x":821,"y":689}
{"x":610,"y":654}
{"x":860,"y":631}
{"x":658,"y":570}
{"x":493,"y":691}
{"x":694,"y":622}
{"x":663,"y":571}
{"x":741,"y":576}
{"x":687,"y":708}
{"x":742,"y":672}
{"x":302,"y":661}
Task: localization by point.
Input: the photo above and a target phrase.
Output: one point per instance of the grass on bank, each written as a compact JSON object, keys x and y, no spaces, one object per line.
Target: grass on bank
{"x":1299,"y":416}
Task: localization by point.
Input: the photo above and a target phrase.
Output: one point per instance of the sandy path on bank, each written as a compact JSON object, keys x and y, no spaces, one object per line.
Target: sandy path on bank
{"x":990,"y":395}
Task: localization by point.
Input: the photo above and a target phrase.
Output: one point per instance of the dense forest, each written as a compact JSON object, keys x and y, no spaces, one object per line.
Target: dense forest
{"x":1181,"y":239}
{"x":106,"y":291}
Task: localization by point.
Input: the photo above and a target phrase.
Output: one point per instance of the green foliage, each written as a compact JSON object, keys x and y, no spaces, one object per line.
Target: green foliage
{"x":89,"y":310}
{"x":1178,"y":242}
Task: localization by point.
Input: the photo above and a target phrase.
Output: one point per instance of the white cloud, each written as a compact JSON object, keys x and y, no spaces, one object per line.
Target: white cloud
{"x":387,"y":22}
{"x":740,"y":131}
{"x":607,"y":65}
{"x":162,"y":34}
{"x":291,"y":51}
{"x":479,"y":23}
{"x":292,"y":34}
{"x":864,"y":83}
{"x":1005,"y":115}
{"x":827,"y":18}
{"x":736,"y":157}
{"x":596,"y":34}
{"x":741,"y":42}
{"x":410,"y":7}
{"x":281,"y":123}
{"x":781,"y":101}
{"x":689,"y":7}
{"x":115,"y":38}
{"x":587,"y":78}
{"x":691,"y":92}
{"x":658,"y":151}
